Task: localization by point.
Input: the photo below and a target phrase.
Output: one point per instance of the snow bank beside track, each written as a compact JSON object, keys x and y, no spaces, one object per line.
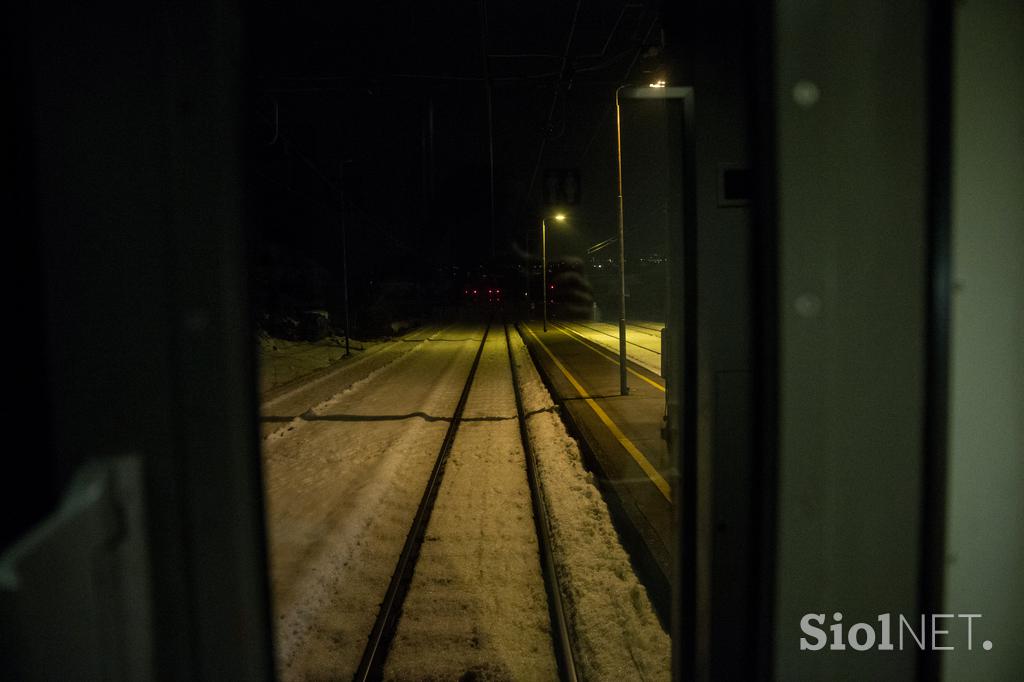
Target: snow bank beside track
{"x":617,"y":632}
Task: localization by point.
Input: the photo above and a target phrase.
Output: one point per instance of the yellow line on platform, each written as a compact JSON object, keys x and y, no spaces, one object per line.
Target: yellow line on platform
{"x":590,"y":344}
{"x":656,"y":478}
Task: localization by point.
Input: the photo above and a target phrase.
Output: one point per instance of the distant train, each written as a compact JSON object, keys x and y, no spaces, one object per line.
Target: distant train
{"x":482,"y":295}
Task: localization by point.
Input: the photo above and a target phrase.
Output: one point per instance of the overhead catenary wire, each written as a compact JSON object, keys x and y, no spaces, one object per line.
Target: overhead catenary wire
{"x":563,"y":78}
{"x":601,"y":65}
{"x":625,"y":77}
{"x":554,"y":100}
{"x":604,"y":48}
{"x":334,"y":189}
{"x":343,"y":80}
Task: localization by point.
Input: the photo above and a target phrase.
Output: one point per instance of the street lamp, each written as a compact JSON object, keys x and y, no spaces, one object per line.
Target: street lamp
{"x":656,"y":90}
{"x":559,"y":217}
{"x":623,"y":385}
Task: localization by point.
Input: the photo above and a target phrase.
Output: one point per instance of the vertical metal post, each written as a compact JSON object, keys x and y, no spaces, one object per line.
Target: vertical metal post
{"x":488,"y":90}
{"x":623,"y":386}
{"x":544,"y":269}
{"x":529,"y":274}
{"x":344,"y":251}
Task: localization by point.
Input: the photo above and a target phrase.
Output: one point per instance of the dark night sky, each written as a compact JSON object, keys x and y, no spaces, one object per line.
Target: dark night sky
{"x":360,"y":83}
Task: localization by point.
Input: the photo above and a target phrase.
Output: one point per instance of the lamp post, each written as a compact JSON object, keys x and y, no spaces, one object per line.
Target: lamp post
{"x":560,"y":217}
{"x":623,"y":385}
{"x":657,"y":90}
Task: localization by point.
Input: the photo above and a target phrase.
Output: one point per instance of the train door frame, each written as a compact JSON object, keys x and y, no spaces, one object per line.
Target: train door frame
{"x":926,"y":62}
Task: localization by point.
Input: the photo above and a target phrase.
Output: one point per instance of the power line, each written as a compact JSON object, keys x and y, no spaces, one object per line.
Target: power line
{"x":335,"y":191}
{"x":554,"y":103}
{"x":625,"y":77}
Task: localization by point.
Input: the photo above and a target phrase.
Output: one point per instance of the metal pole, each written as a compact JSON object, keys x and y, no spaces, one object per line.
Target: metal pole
{"x":529,"y":276}
{"x":344,"y":252}
{"x":488,"y":89}
{"x":544,"y":268}
{"x":623,"y":386}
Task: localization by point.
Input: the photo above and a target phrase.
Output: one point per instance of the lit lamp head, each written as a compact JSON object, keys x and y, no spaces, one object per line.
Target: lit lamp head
{"x":560,"y":217}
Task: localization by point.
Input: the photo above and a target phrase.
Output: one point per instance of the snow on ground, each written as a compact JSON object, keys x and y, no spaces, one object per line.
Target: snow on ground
{"x":652,"y":326}
{"x":282,"y":361}
{"x":281,"y":408}
{"x":645,"y":333}
{"x":343,"y":482}
{"x":477,"y":605}
{"x":617,"y":632}
{"x":643,"y":344}
{"x":342,"y":487}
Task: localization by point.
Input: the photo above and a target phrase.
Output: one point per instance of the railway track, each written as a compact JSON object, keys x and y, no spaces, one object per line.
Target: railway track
{"x":346,"y":478}
{"x":380,"y":642}
{"x":615,"y":335}
{"x":638,"y":325}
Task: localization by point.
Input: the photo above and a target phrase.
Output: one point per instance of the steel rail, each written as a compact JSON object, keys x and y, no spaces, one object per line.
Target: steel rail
{"x":614,"y":336}
{"x":644,"y":326}
{"x":565,"y":651}
{"x":371,"y":665}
